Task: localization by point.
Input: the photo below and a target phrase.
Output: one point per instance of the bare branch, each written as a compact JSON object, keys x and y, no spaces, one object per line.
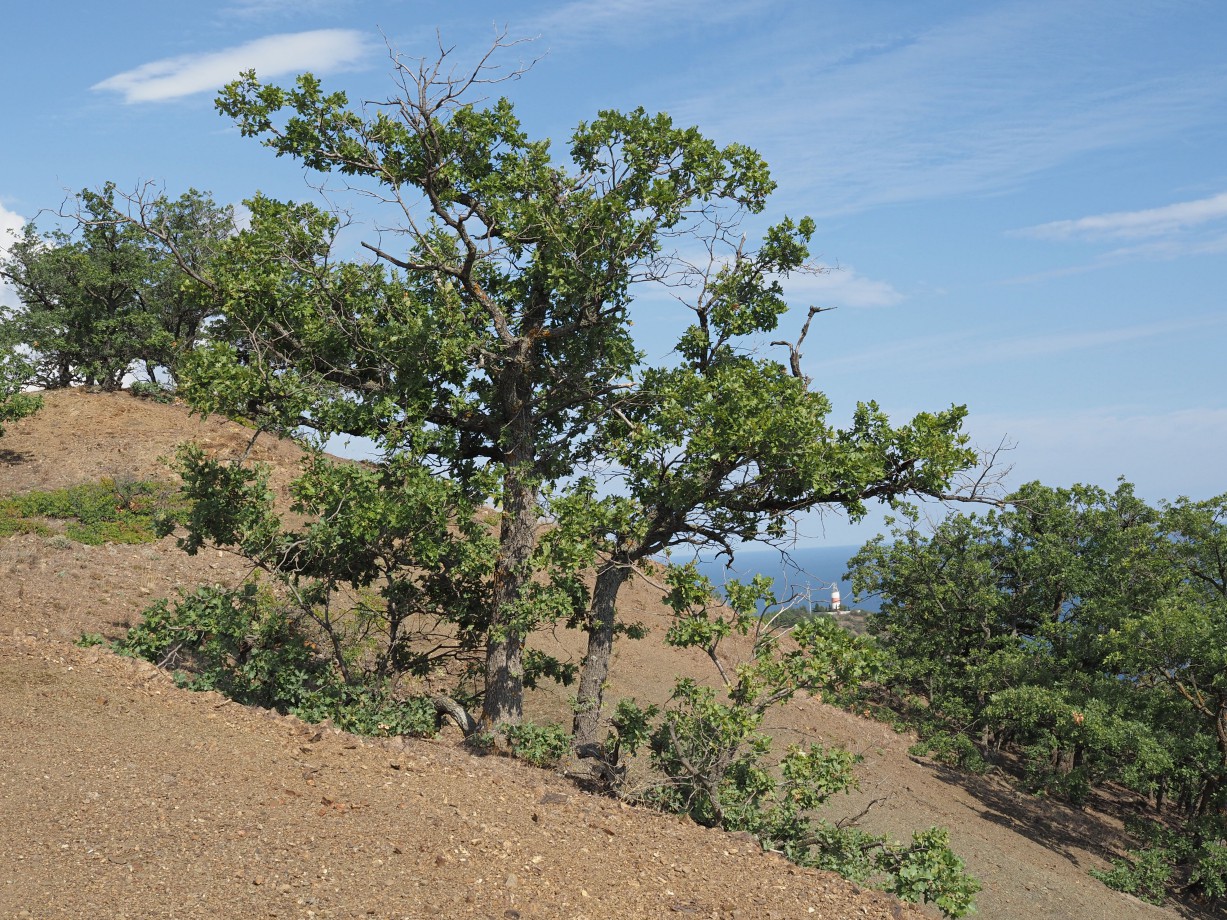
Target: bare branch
{"x":794,"y":348}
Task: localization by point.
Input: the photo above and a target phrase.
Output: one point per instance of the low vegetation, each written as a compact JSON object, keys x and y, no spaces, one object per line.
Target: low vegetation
{"x":244,"y":643}
{"x":711,"y":760}
{"x":108,"y":511}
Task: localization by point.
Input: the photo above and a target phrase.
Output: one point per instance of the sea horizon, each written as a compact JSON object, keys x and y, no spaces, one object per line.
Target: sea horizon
{"x":799,"y":574}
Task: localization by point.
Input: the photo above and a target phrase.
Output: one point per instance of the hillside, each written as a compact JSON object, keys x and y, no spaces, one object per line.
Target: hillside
{"x":124,"y":796}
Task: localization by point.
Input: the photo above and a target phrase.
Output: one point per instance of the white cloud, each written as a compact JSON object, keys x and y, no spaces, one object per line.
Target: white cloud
{"x":965,"y":349}
{"x":841,"y":286}
{"x":275,"y":55}
{"x":10,"y":224}
{"x":1162,"y":221}
{"x":583,"y":20}
{"x":930,"y":107}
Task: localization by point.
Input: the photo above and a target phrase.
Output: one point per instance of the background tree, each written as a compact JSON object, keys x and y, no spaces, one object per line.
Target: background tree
{"x":15,"y":373}
{"x":1081,"y":629}
{"x":108,"y":297}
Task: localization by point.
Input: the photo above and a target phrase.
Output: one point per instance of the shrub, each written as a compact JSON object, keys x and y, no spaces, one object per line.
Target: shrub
{"x":243,"y":643}
{"x":148,"y":389}
{"x":539,"y":745}
{"x":717,"y":765}
{"x":1145,"y":874}
{"x":1195,"y":853}
{"x":107,"y":511}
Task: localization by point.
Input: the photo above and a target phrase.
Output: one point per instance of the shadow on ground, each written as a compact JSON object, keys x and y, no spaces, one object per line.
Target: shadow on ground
{"x":1060,"y":827}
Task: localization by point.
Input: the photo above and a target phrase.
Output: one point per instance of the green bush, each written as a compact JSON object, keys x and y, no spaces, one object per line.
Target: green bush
{"x":372,"y":711}
{"x":1145,"y":874}
{"x":539,"y":745}
{"x":716,"y":764}
{"x":953,"y":750}
{"x":243,"y":643}
{"x":1209,"y":873}
{"x":147,"y":389}
{"x":1190,"y":859}
{"x":107,"y":511}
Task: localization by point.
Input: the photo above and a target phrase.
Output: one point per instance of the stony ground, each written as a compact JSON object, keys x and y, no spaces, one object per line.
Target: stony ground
{"x":123,"y":796}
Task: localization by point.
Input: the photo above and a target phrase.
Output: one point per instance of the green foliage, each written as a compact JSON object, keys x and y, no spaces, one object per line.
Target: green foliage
{"x":1145,"y":874}
{"x":238,"y":642}
{"x":716,"y":763}
{"x":245,"y":644}
{"x":539,"y":745}
{"x":928,"y":870}
{"x":373,"y":710}
{"x":15,"y":373}
{"x":1082,"y":630}
{"x":90,"y":639}
{"x":1191,"y":859}
{"x":111,"y":296}
{"x":152,"y":390}
{"x":1208,"y":874}
{"x":382,"y":555}
{"x":630,"y":729}
{"x":108,"y":511}
{"x":953,"y":749}
{"x":924,"y":870}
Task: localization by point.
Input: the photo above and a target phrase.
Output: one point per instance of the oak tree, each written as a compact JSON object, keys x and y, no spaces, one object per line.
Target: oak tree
{"x":490,"y":339}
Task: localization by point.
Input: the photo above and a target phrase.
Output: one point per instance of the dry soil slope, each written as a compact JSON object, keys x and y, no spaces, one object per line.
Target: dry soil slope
{"x":123,"y":796}
{"x":234,"y":772}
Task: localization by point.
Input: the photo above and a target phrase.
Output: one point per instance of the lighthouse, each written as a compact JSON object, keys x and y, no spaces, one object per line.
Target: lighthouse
{"x":835,"y":598}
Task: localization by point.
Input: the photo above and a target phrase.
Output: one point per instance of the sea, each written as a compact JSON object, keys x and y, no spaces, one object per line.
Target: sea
{"x":807,"y":574}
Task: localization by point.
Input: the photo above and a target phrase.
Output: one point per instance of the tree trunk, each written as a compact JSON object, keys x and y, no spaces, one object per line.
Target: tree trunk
{"x":595,"y":669}
{"x":504,"y":700}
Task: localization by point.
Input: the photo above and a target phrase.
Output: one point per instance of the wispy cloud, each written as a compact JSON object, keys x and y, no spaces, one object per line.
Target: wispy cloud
{"x":1176,"y":231}
{"x":967,"y":349}
{"x":1161,"y":221}
{"x":275,"y":55}
{"x":1042,"y":346}
{"x":842,"y":286}
{"x":967,"y":104}
{"x":582,"y":20}
{"x":1151,"y":449}
{"x":1164,"y":250}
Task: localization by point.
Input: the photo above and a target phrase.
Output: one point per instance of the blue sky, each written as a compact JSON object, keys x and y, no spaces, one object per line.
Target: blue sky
{"x":1024,"y":205}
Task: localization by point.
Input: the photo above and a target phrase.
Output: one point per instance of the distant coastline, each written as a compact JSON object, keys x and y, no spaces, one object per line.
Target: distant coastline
{"x":809,"y":571}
